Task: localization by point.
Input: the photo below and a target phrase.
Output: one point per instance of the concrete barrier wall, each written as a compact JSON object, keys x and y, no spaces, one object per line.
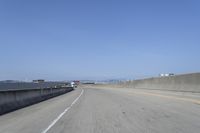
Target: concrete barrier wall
{"x":14,"y":99}
{"x":186,"y":82}
{"x":27,"y":85}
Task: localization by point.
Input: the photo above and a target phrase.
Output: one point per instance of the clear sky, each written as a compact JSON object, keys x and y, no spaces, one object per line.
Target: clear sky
{"x":98,"y":39}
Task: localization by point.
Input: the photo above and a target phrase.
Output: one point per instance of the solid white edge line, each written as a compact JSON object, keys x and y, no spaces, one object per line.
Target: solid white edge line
{"x":64,"y":112}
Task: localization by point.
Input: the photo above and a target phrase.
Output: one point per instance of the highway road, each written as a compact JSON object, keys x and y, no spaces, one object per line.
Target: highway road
{"x":108,"y":110}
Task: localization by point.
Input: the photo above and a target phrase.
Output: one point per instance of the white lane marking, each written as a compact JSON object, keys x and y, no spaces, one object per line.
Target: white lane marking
{"x":64,"y":112}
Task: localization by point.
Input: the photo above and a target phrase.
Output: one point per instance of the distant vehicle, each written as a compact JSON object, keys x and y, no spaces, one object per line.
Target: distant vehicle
{"x":72,"y":84}
{"x":166,"y":74}
{"x":39,"y":81}
{"x":76,"y":83}
{"x":69,"y":84}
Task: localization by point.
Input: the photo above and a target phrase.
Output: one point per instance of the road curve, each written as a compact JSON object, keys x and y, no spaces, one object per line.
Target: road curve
{"x":99,"y":110}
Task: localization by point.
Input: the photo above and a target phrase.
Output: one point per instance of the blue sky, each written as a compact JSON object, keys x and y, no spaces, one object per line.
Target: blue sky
{"x":90,"y":39}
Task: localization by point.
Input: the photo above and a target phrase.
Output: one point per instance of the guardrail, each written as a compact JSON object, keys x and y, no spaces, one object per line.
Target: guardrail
{"x":11,"y":100}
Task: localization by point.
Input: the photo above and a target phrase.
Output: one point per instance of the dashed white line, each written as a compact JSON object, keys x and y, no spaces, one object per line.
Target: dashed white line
{"x":64,"y":112}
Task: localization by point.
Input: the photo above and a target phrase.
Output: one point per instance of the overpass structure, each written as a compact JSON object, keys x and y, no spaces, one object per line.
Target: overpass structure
{"x":158,"y":105}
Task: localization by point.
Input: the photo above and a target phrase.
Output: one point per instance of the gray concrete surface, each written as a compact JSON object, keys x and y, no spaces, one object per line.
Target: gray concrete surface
{"x":27,"y":85}
{"x":109,"y":110}
{"x":182,"y":83}
{"x":14,"y":99}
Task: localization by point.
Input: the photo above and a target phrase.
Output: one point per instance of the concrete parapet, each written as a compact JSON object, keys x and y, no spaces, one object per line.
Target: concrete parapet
{"x":186,"y":82}
{"x":11,"y":100}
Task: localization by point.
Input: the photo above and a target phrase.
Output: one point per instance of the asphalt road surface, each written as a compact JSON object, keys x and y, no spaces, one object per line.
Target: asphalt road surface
{"x":98,"y":110}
